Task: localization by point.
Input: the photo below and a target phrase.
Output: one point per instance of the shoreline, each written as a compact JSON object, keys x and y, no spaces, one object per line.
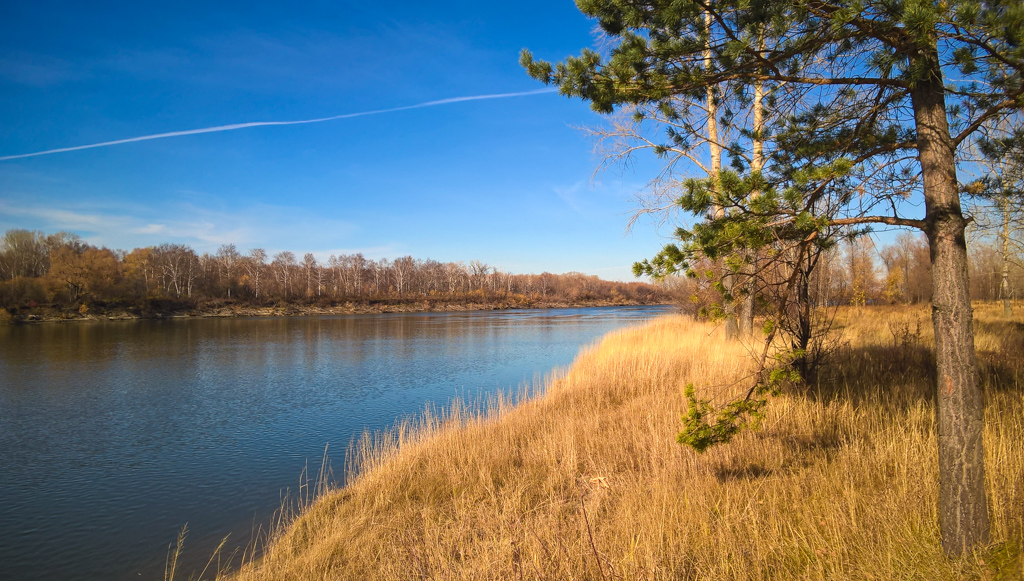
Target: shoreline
{"x":586,"y":476}
{"x":232,"y":310}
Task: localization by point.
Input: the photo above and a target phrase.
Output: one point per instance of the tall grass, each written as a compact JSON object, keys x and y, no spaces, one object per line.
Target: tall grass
{"x":582,"y":479}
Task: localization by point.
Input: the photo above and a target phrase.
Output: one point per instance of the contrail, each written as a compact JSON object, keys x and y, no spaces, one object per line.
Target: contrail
{"x":266,"y":123}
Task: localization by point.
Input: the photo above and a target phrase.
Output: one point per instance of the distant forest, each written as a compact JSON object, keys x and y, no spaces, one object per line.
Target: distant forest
{"x":859,"y":271}
{"x":61,"y":272}
{"x":59,"y":275}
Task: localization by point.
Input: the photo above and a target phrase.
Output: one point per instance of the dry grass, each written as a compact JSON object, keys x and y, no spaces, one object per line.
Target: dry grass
{"x":585,"y":481}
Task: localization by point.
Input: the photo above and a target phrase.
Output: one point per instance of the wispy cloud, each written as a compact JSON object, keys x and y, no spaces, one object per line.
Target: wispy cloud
{"x":37,"y":70}
{"x":274,"y":228}
{"x":375,"y":252}
{"x":237,"y":126}
{"x":58,"y":219}
{"x":597,"y":197}
{"x":571,"y":195}
{"x":151,"y":229}
{"x":306,"y":61}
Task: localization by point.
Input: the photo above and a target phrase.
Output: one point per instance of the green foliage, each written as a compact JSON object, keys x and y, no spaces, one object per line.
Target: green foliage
{"x":751,"y":225}
{"x":705,"y":425}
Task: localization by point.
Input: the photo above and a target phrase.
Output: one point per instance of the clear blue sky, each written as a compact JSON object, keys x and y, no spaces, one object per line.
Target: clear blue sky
{"x":506,"y":181}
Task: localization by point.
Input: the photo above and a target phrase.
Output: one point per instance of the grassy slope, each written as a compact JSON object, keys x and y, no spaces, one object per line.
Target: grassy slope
{"x":587,"y":482}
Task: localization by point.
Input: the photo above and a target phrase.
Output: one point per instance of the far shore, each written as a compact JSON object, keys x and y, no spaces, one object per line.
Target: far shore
{"x":157,"y":310}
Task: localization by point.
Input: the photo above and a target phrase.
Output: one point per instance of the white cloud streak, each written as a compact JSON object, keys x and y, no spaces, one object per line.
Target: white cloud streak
{"x":236,"y":126}
{"x":202,"y":228}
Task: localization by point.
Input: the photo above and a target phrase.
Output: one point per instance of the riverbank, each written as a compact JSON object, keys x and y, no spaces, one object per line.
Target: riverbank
{"x":583,"y":478}
{"x":168,"y":309}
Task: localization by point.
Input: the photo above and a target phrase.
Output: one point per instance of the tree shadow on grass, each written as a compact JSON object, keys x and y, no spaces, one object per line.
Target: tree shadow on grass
{"x":886,"y":381}
{"x":1002,"y":369}
{"x":799,"y":451}
{"x":904,"y":376}
{"x":738,"y":470}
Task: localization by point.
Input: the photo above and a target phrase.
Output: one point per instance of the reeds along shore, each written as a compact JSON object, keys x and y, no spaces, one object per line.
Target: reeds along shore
{"x":584,"y":479}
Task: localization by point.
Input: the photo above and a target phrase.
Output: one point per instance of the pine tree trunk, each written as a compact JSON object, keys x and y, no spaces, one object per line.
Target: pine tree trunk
{"x":1004,"y":284}
{"x":747,"y":309}
{"x":756,"y":165}
{"x":963,"y":510}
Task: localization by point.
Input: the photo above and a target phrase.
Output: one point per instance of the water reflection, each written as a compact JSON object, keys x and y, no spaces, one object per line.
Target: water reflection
{"x":114,"y":435}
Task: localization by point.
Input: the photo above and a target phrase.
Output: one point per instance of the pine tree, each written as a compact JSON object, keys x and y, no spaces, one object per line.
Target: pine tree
{"x":874,"y":118}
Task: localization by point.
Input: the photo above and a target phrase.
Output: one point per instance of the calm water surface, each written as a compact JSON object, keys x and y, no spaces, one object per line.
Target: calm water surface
{"x":115,"y":435}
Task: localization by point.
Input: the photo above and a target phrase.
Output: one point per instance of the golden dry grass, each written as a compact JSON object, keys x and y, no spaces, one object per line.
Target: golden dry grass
{"x":584,"y":480}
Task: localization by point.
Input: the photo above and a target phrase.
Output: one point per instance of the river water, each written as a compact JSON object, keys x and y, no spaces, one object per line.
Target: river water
{"x":115,"y":435}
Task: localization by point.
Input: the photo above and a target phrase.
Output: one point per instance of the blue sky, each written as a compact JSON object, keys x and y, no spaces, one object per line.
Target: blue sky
{"x":507,"y":181}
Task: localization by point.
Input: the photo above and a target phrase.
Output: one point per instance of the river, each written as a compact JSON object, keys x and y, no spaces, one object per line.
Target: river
{"x":114,"y":435}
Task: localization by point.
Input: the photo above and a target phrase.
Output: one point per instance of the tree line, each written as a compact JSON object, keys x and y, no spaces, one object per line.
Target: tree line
{"x":39,"y":268}
{"x":60,"y":269}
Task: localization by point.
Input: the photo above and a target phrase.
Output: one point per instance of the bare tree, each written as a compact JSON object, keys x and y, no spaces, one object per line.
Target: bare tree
{"x":228,"y":257}
{"x":24,"y":253}
{"x":478,"y":274}
{"x":309,"y":266}
{"x":283,"y":264}
{"x":402,"y":268}
{"x":321,"y":273}
{"x":178,"y":268}
{"x":256,"y":266}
